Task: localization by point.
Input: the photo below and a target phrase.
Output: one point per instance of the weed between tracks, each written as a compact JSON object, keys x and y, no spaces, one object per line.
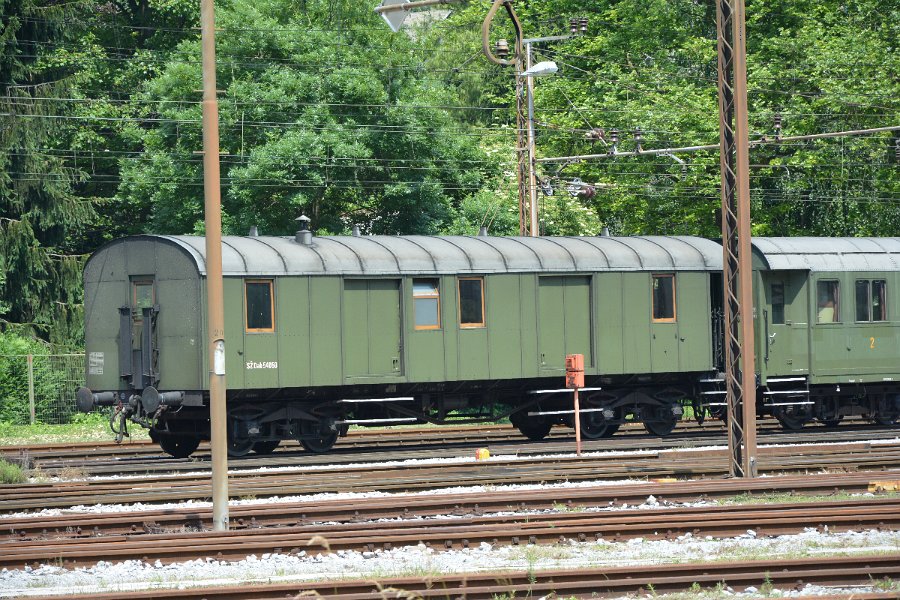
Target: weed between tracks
{"x":787,"y":498}
{"x":886,"y":584}
{"x":10,"y":473}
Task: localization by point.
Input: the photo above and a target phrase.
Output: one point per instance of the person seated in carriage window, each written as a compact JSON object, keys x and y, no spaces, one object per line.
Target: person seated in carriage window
{"x":828,"y":302}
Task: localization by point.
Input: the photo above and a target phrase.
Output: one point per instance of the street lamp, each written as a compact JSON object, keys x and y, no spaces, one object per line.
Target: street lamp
{"x":546,"y":67}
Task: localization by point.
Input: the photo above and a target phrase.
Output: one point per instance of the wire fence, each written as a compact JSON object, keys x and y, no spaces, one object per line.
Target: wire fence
{"x":39,"y":388}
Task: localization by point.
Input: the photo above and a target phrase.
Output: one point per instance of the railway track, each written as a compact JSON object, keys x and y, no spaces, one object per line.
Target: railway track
{"x":399,"y":444}
{"x":434,"y":475}
{"x":457,"y":533}
{"x":94,"y":456}
{"x":593,"y":582}
{"x":467,"y":504}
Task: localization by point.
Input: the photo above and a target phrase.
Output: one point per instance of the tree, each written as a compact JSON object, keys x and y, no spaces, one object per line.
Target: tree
{"x":339,"y":122}
{"x":41,"y":213}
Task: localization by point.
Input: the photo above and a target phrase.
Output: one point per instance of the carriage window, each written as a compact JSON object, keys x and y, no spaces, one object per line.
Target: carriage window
{"x":664,"y":298}
{"x":778,"y":304}
{"x":870,"y":300}
{"x":260,"y":305}
{"x":142,"y":296}
{"x":829,"y":301}
{"x":862,"y":300}
{"x":471,"y":302}
{"x":879,"y":300}
{"x":427,"y":303}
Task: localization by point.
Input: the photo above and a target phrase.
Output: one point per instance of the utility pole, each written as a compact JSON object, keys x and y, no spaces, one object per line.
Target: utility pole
{"x":215,"y":311}
{"x":740,"y":368}
{"x":533,"y":226}
{"x":517,"y":62}
{"x":524,"y":174}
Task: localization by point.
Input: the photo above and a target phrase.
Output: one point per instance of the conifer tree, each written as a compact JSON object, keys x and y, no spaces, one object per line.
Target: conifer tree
{"x":39,"y":211}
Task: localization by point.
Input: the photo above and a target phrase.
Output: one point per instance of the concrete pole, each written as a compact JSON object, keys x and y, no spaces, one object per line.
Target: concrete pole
{"x":522,"y":156}
{"x":214,"y":296}
{"x":532,"y":180}
{"x":742,"y":172}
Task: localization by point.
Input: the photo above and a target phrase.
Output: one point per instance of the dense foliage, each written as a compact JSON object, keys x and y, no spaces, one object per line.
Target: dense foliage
{"x":325,"y":111}
{"x":50,"y":383}
{"x":40,"y":212}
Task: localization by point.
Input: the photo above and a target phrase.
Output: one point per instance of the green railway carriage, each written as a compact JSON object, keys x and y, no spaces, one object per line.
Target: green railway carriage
{"x":828,"y":328}
{"x":325,"y":332}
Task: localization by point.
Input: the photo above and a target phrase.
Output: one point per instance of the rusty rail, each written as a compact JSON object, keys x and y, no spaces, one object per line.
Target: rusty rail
{"x":721,"y":521}
{"x":459,"y":504}
{"x":416,"y":476}
{"x":783,"y":574}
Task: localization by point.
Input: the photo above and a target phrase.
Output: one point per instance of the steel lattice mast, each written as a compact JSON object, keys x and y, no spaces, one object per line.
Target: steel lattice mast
{"x":740,"y":368}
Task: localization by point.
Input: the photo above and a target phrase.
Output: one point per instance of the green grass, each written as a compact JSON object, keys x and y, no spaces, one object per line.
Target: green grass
{"x":788,"y":498}
{"x":10,"y":473}
{"x":93,"y":427}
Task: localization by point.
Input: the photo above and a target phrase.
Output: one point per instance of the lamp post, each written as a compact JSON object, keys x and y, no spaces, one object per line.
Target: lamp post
{"x":532,"y":71}
{"x":394,"y":12}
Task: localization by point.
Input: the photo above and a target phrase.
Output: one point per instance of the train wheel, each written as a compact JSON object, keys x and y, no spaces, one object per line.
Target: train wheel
{"x":315,"y":439}
{"x":240,"y":447}
{"x":535,"y":429}
{"x":594,"y":427}
{"x":659,"y":420}
{"x":888,"y":412}
{"x":179,"y":446}
{"x":266,"y":447}
{"x":791,"y":421}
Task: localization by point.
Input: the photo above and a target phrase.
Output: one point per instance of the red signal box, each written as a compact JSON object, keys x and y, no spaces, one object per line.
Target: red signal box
{"x":575,"y":371}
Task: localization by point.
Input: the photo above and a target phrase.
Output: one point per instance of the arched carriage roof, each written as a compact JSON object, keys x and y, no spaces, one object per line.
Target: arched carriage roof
{"x":414,"y":255}
{"x":829,"y":254}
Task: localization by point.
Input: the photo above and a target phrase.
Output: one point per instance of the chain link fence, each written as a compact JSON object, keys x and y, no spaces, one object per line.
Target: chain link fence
{"x":39,"y":388}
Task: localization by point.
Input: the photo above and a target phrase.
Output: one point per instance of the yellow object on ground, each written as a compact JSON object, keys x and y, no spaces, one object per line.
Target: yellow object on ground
{"x":482,"y":454}
{"x":884,"y":486}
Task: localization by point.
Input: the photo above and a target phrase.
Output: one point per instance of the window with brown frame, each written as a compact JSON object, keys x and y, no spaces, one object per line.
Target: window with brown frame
{"x":471,"y":302}
{"x":260,"y":303}
{"x":427,"y":303}
{"x":828,"y":304}
{"x":664,"y":298}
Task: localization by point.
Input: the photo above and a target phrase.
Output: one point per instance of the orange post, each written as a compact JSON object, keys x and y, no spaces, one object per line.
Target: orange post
{"x":575,"y":380}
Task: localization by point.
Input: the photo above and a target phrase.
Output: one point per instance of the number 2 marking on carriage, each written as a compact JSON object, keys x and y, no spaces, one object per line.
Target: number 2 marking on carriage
{"x":871,"y":343}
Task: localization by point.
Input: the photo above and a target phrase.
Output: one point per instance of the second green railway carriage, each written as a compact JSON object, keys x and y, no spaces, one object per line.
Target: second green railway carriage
{"x":828,"y":328}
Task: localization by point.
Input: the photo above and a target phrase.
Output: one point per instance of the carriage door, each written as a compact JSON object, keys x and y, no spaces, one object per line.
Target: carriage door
{"x":785,"y":324}
{"x":140,"y":319}
{"x":372,"y":341}
{"x":564,"y":321}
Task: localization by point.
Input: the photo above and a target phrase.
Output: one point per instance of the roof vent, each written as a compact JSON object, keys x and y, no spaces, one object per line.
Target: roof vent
{"x":356,"y":231}
{"x":303,"y":235}
{"x":254,"y":232}
{"x":605,"y":232}
{"x":483,"y":232}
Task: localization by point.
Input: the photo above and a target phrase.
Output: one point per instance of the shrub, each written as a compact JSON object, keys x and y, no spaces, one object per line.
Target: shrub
{"x":10,"y":473}
{"x":49,"y":383}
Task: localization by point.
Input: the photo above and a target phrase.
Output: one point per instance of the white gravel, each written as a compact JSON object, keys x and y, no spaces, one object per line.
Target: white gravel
{"x":422,"y":561}
{"x":326,"y":497}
